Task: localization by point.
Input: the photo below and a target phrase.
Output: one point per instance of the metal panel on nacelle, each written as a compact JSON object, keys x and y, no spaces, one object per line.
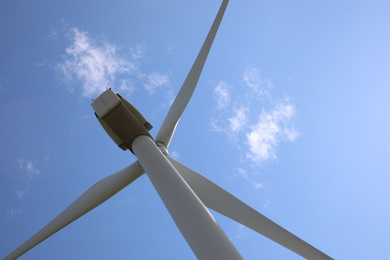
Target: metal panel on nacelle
{"x":120,"y":119}
{"x":136,"y":113}
{"x":105,"y":102}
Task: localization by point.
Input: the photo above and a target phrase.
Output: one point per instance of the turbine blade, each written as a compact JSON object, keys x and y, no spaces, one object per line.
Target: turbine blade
{"x":93,"y":197}
{"x":167,"y":129}
{"x":216,"y":198}
{"x":199,"y":228}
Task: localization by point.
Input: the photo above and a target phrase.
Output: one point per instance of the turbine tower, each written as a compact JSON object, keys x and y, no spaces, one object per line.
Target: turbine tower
{"x":185,"y":193}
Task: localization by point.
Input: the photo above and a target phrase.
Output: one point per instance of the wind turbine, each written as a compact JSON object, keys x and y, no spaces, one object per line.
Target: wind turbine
{"x":185,"y":193}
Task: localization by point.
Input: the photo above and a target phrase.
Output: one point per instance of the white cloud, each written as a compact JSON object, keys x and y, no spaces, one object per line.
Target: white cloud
{"x":257,"y":185}
{"x":156,"y":80}
{"x":222,"y":95}
{"x":138,"y":51}
{"x":46,"y":156}
{"x":174,"y":154}
{"x":96,"y":66}
{"x":242,"y":173}
{"x":40,"y":64}
{"x":233,"y":124}
{"x":291,"y":133}
{"x":238,"y":121}
{"x":29,"y":170}
{"x":20,"y":162}
{"x":253,"y":79}
{"x":242,"y":232}
{"x":12,"y":212}
{"x":21,"y":193}
{"x":270,"y":129}
{"x":267,"y":203}
{"x":126,"y":86}
{"x":53,"y":35}
{"x":171,"y":49}
{"x":257,"y":126}
{"x":29,"y":166}
{"x":215,"y":125}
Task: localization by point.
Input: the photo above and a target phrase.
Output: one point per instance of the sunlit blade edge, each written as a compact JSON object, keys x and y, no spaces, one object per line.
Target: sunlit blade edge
{"x":216,"y":198}
{"x":168,"y":127}
{"x":93,"y":197}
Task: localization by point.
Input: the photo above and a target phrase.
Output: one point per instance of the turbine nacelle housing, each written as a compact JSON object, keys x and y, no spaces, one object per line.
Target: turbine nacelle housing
{"x":120,"y":119}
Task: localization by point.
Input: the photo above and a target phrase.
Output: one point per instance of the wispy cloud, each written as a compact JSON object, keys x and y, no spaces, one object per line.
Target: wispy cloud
{"x":242,"y":232}
{"x":46,"y":156}
{"x":174,"y":154}
{"x":242,"y":173}
{"x":271,"y":128}
{"x":21,"y":193}
{"x":30,"y":167}
{"x":156,"y":80}
{"x":138,"y":51}
{"x":171,"y":49}
{"x":238,"y":121}
{"x":28,"y":171}
{"x":95,"y":64}
{"x":253,"y":79}
{"x":221,"y":94}
{"x":257,"y":185}
{"x":257,"y":126}
{"x":12,"y":212}
{"x":53,"y":35}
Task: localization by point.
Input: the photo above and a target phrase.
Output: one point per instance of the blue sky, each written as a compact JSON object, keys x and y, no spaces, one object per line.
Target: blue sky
{"x":290,"y":115}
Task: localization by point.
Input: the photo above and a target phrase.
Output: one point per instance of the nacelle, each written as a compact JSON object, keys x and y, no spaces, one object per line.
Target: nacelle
{"x":120,"y":119}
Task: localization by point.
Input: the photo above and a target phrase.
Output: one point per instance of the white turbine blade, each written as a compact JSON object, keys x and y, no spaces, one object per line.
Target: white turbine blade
{"x":93,"y":197}
{"x":202,"y":233}
{"x":167,"y":129}
{"x":216,"y":198}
